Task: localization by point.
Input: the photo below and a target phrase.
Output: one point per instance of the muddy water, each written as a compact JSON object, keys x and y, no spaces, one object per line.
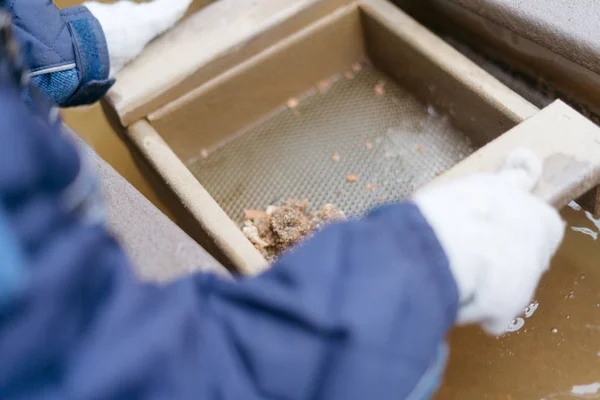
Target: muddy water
{"x":556,"y":353}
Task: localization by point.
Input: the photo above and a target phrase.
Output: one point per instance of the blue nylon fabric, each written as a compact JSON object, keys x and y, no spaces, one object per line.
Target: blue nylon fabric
{"x":39,"y":23}
{"x":57,"y":38}
{"x":12,"y":263}
{"x":356,"y":313}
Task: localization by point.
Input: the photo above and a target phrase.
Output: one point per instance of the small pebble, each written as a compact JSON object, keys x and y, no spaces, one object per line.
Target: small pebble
{"x":420,"y":149}
{"x":369,"y":144}
{"x":203,"y":153}
{"x":348,"y":75}
{"x":371,"y":186}
{"x":554,"y":330}
{"x":271,"y":209}
{"x":323,"y":85}
{"x":292,"y":103}
{"x":335,"y":158}
{"x":379,"y":88}
{"x":357,"y":67}
{"x":352,"y":178}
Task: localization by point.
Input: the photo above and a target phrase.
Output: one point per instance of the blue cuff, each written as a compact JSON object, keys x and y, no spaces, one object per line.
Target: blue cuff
{"x":431,"y":380}
{"x":59,"y":87}
{"x":91,"y":56}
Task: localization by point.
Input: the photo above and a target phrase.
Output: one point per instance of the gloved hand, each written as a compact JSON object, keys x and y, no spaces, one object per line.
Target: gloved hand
{"x":129,"y":27}
{"x":498,"y":237}
{"x":72,"y":52}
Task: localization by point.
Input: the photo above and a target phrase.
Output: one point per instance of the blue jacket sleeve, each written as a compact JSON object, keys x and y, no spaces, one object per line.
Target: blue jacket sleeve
{"x":358,"y":312}
{"x":66,"y":51}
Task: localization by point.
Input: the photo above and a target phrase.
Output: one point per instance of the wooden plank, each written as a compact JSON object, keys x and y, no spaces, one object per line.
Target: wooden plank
{"x":215,"y":231}
{"x":567,"y":142}
{"x":204,"y":45}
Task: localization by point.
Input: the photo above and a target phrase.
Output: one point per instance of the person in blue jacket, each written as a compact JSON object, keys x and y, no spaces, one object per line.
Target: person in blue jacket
{"x":360,"y":311}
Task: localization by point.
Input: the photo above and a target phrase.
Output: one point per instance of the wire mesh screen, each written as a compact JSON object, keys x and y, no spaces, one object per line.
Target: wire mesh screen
{"x":358,"y":141}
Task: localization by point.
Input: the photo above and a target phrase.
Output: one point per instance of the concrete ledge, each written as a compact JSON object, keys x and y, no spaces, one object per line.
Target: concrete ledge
{"x":568,"y":28}
{"x":558,"y":56}
{"x":158,"y":249}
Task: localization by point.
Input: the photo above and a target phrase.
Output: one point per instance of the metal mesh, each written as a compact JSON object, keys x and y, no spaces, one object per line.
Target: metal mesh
{"x":290,"y":153}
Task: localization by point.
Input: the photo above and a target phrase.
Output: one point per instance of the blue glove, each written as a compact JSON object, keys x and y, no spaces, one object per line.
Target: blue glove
{"x":66,"y":51}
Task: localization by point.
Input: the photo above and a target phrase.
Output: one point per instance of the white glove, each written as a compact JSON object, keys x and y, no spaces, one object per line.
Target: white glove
{"x":129,"y":27}
{"x":499,"y":238}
